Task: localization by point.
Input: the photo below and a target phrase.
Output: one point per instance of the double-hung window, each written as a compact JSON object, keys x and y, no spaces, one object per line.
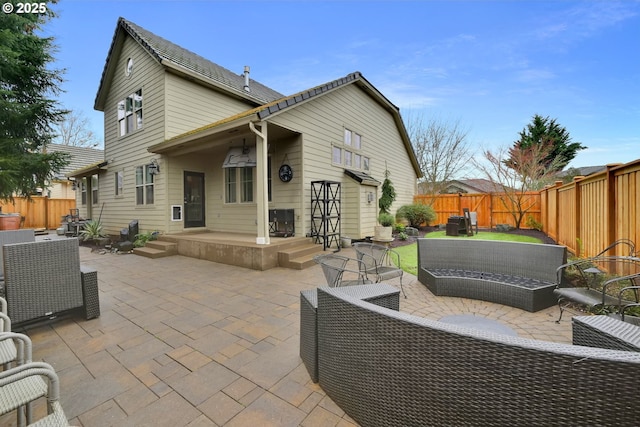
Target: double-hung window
{"x":238,"y":185}
{"x":130,"y":113}
{"x":144,"y":186}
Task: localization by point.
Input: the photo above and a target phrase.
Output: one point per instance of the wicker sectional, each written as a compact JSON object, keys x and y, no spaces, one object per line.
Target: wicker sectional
{"x":521,"y":275}
{"x":388,"y":368}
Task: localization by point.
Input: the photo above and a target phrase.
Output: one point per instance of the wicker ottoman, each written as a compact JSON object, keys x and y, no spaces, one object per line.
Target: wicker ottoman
{"x":605,"y":332}
{"x":380,"y":294}
{"x":90,"y":298}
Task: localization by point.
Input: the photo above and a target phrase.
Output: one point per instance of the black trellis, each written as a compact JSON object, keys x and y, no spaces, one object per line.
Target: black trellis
{"x":325,"y":213}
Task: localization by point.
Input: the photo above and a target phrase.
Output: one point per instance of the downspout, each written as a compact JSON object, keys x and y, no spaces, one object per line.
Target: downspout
{"x":262,"y":181}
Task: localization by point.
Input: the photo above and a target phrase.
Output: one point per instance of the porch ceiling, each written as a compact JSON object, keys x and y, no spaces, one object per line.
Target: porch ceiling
{"x":203,"y":141}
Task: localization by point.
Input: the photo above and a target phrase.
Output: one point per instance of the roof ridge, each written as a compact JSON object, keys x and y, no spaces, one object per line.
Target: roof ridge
{"x":165,"y":50}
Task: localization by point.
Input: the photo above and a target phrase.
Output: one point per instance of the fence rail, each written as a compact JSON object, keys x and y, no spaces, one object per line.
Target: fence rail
{"x":40,"y":212}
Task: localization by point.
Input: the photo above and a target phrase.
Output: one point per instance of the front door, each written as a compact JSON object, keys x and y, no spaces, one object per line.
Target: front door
{"x":193,"y":199}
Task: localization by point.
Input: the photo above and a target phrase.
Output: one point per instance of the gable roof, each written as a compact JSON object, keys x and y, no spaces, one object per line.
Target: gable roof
{"x":268,"y":110}
{"x":582,"y":171}
{"x":79,"y":157}
{"x":180,"y":60}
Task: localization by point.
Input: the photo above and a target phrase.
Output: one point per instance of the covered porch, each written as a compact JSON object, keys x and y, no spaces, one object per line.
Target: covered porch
{"x":241,"y":250}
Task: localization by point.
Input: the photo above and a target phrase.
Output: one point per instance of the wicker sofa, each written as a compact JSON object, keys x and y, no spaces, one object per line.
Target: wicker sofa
{"x":521,"y":275}
{"x":388,"y":368}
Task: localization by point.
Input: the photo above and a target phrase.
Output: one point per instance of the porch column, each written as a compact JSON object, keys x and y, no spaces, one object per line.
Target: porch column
{"x":262,"y":193}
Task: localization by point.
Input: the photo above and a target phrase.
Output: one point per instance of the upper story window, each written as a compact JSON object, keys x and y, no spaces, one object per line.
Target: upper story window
{"x":349,"y":153}
{"x":130,"y":113}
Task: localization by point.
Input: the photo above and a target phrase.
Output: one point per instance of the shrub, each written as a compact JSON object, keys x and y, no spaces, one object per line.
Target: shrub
{"x":399,"y":228}
{"x":417,"y":214}
{"x":143,"y":238}
{"x":403,"y":236}
{"x":92,"y":230}
{"x":386,"y":219}
{"x":532,"y":223}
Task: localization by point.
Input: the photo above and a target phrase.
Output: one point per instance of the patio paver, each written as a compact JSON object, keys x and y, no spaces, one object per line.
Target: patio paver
{"x":188,"y":342}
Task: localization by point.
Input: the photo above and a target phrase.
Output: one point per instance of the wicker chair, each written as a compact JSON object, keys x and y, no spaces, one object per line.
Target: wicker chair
{"x":25,"y":384}
{"x":336,"y":272}
{"x":377,"y":260}
{"x":42,"y":279}
{"x":14,"y":348}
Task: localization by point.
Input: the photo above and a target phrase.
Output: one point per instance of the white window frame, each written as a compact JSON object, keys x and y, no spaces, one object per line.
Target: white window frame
{"x":129,"y":113}
{"x":145,"y":186}
{"x":349,"y":154}
{"x":241,"y":188}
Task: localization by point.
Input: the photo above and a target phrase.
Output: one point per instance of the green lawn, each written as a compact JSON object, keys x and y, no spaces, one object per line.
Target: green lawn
{"x":409,"y":253}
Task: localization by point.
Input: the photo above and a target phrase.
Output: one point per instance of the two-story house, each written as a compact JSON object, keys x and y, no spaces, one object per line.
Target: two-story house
{"x":192,"y":146}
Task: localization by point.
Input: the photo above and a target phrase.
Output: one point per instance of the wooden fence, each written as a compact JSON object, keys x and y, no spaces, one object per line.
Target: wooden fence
{"x":492,"y":208}
{"x":592,"y":212}
{"x":40,"y":212}
{"x":585,"y":215}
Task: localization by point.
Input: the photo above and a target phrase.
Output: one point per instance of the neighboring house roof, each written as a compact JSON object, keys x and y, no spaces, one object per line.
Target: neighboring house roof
{"x":476,"y":185}
{"x":582,"y":171}
{"x":79,"y":157}
{"x":182,"y":61}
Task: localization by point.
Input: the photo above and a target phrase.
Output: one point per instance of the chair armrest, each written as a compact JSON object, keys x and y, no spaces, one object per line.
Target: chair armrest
{"x":6,"y":323}
{"x":30,"y":369}
{"x":24,"y":348}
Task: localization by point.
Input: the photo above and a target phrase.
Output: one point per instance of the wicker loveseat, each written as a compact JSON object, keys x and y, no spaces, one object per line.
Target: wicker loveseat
{"x":521,"y":275}
{"x":388,"y":368}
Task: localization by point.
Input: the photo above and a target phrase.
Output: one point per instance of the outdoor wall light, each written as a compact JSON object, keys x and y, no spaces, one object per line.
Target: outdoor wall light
{"x":154,"y":167}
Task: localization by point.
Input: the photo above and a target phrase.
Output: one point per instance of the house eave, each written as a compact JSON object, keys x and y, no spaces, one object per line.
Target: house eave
{"x":87,"y":170}
{"x":195,"y":136}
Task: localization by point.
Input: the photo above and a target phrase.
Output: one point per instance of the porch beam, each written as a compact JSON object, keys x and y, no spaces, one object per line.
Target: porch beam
{"x":262,"y":192}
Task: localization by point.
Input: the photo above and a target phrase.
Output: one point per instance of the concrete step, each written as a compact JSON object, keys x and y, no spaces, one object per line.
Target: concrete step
{"x":150,"y":252}
{"x":169,"y":247}
{"x":300,"y":256}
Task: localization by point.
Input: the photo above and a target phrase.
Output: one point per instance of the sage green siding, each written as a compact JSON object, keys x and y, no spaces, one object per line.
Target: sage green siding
{"x":322,"y":120}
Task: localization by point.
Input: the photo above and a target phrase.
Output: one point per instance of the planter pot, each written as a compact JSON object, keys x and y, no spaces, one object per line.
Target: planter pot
{"x":345,"y":242}
{"x":383,"y":233}
{"x":10,"y":222}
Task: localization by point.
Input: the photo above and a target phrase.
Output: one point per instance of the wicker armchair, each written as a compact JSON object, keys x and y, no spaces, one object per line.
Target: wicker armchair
{"x":42,"y":279}
{"x":336,"y":272}
{"x":14,"y":348}
{"x":25,"y":384}
{"x":377,"y":260}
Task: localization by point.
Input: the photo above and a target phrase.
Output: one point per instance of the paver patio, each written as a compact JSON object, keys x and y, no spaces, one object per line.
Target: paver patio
{"x":187,"y":342}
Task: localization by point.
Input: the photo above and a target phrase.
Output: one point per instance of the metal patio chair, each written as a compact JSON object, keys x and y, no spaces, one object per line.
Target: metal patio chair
{"x":336,"y":272}
{"x":377,"y":260}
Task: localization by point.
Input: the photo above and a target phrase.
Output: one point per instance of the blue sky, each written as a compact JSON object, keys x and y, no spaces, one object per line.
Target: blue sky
{"x":490,"y":65}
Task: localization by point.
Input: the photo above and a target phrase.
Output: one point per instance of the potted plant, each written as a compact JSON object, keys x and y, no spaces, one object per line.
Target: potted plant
{"x":384,"y":231}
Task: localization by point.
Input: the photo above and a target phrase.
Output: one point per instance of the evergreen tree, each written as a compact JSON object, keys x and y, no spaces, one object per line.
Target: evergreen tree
{"x":27,"y":110}
{"x":547,"y":132}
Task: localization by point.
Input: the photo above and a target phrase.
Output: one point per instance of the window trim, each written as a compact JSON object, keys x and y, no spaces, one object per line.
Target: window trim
{"x":130,"y":109}
{"x":147,"y":185}
{"x":238,"y":190}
